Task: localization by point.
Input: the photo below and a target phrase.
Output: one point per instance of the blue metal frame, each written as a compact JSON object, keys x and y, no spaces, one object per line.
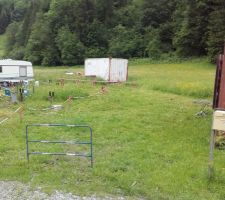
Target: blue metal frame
{"x":90,"y":155}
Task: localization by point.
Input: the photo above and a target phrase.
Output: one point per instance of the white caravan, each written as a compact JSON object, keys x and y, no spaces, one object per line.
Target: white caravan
{"x":15,"y":70}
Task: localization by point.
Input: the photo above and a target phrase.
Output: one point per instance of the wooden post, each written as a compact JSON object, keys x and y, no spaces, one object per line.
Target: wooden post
{"x":51,"y":96}
{"x":21,"y":94}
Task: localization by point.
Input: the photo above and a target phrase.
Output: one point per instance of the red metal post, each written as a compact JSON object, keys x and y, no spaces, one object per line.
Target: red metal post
{"x":217,"y":81}
{"x":221,"y":101}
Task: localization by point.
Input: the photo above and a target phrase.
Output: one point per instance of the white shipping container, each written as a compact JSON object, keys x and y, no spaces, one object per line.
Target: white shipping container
{"x":109,"y":69}
{"x":15,"y":70}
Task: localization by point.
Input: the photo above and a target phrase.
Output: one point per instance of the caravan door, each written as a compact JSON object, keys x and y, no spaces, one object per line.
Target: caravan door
{"x":23,"y":71}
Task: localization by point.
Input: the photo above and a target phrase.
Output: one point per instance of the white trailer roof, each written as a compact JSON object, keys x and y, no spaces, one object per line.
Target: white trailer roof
{"x":9,"y":62}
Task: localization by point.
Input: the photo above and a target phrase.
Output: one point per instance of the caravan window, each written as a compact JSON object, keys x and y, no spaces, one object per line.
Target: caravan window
{"x":23,"y":71}
{"x":0,"y":69}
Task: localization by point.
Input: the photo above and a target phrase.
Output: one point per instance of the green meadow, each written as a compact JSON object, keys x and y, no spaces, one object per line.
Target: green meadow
{"x":148,"y":141}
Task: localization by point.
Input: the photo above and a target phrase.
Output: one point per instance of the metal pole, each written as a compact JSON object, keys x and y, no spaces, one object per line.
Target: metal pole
{"x":211,"y":157}
{"x":27,"y":147}
{"x":91,"y":147}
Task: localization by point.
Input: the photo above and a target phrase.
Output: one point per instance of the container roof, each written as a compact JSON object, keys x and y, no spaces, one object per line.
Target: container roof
{"x":10,"y":62}
{"x":105,"y":58}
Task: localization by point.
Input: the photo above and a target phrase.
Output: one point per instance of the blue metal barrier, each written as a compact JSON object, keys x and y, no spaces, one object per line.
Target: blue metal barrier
{"x":90,"y":154}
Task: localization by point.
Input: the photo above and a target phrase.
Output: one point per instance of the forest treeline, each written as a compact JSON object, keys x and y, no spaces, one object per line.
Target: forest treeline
{"x":64,"y":32}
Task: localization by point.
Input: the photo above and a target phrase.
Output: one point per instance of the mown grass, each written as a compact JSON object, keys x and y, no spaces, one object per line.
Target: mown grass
{"x":148,"y":142}
{"x":2,"y":45}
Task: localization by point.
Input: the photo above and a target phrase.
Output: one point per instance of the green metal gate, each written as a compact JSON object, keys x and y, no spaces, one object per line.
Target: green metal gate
{"x":89,"y":142}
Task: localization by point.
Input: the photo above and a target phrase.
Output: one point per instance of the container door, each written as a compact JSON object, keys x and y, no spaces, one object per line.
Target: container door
{"x":118,"y":70}
{"x":23,"y":71}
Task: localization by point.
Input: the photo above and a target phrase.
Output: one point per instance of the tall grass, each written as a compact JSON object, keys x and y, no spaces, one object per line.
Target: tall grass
{"x":190,"y":78}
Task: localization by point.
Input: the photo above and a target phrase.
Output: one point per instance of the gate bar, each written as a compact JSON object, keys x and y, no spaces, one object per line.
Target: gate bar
{"x":60,"y":142}
{"x":63,"y":154}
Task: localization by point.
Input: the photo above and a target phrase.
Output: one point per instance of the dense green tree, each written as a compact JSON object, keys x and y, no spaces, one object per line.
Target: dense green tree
{"x":85,"y":15}
{"x":20,"y":8}
{"x":71,"y":49}
{"x":11,"y":36}
{"x":96,"y":35}
{"x":191,"y":29}
{"x":96,"y":41}
{"x":105,"y":12}
{"x":153,"y":48}
{"x":50,"y":32}
{"x":41,"y":48}
{"x":216,"y":27}
{"x":157,"y":26}
{"x":14,"y":49}
{"x":128,"y":16}
{"x":6,"y":7}
{"x":125,"y":43}
{"x":157,"y":12}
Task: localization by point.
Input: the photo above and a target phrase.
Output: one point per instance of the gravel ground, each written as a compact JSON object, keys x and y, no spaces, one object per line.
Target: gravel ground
{"x":11,"y":190}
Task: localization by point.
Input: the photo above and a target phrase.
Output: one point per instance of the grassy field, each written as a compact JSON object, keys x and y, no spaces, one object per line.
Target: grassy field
{"x":2,"y":45}
{"x":148,"y":141}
